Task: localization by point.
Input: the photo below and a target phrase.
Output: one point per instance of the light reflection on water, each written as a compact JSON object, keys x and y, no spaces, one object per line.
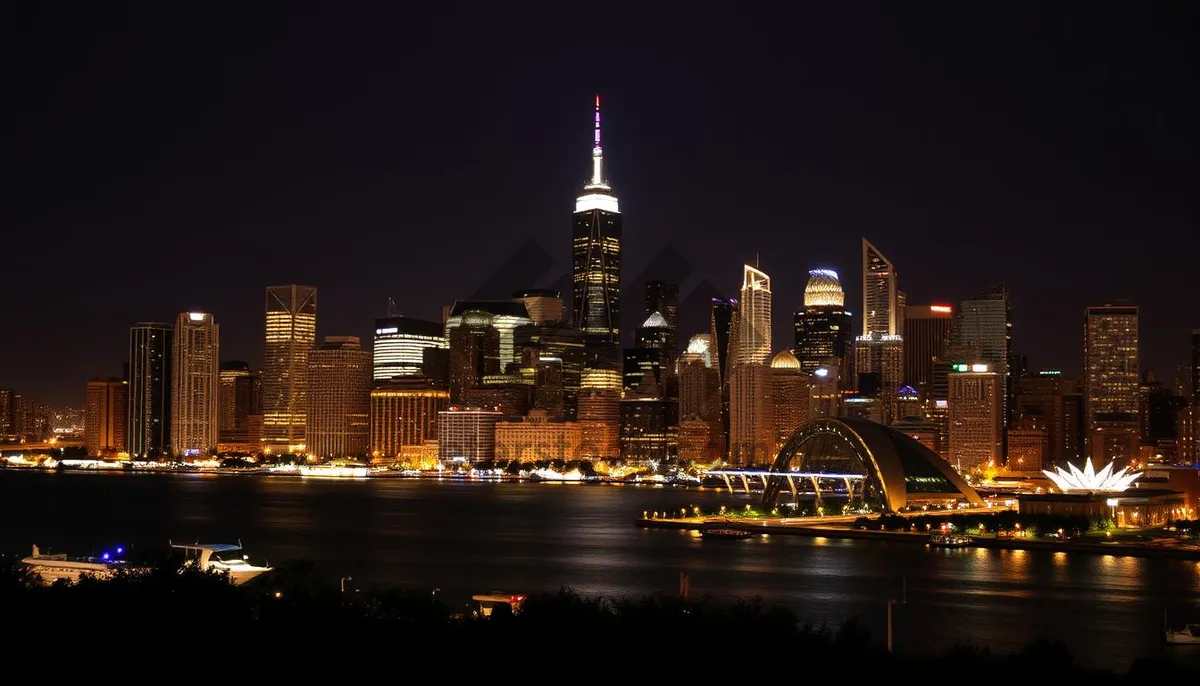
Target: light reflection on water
{"x":471,"y":537}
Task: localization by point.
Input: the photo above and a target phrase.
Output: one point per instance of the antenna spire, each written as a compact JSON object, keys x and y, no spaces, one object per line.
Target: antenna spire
{"x":391,"y":307}
{"x":597,"y":153}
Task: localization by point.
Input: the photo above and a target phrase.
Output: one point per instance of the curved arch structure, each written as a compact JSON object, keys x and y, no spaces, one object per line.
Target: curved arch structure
{"x":868,"y":460}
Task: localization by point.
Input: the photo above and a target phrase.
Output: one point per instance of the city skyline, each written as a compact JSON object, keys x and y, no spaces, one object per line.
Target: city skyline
{"x":968,"y":212}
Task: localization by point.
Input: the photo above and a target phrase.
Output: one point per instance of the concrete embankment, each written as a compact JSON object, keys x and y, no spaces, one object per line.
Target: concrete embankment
{"x":1117,"y":549}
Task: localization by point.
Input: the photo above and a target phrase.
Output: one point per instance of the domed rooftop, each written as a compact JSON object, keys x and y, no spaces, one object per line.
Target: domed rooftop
{"x":655,"y":321}
{"x":823,"y":289}
{"x":784,"y":359}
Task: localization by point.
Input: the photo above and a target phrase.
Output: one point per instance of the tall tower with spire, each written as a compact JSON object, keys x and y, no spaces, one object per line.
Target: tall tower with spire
{"x":596,"y":253}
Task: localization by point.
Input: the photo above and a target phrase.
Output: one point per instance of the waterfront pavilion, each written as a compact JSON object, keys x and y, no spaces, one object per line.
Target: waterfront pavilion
{"x":862,"y":461}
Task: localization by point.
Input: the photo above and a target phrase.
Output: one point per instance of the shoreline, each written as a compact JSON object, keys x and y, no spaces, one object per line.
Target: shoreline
{"x":1121,"y":549}
{"x":388,"y":474}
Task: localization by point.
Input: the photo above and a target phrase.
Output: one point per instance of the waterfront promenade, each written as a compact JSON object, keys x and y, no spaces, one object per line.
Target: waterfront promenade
{"x":842,"y":526}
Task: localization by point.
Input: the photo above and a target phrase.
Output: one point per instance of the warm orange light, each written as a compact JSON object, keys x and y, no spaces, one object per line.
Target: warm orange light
{"x":939,"y":308}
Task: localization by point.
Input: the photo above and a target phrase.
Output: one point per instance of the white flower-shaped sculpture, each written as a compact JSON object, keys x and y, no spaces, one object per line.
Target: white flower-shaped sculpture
{"x":1089,"y":480}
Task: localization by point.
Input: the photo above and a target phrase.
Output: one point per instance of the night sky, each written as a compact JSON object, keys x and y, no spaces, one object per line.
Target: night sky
{"x":184,"y":156}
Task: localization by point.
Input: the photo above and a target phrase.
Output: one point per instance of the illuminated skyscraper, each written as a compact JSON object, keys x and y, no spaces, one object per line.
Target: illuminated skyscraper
{"x":823,"y":326}
{"x":879,"y":293}
{"x":750,"y":424}
{"x":195,"y":384}
{"x":339,"y":398}
{"x":149,"y":419}
{"x":789,"y":397}
{"x":104,"y":417}
{"x":596,"y":253}
{"x":291,"y":332}
{"x":879,"y":351}
{"x":1111,"y":373}
{"x":400,"y":344}
{"x":976,"y":417}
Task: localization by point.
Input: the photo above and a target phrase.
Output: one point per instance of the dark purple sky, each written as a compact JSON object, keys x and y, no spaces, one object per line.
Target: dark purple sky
{"x":185,"y":156}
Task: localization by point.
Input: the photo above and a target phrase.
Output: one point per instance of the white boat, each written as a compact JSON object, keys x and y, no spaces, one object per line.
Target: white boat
{"x":334,"y":472}
{"x":1188,"y":635}
{"x":222,"y":557}
{"x":51,"y":568}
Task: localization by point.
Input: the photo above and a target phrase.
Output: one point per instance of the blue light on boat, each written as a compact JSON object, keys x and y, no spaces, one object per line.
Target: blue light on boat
{"x":120,"y":550}
{"x":104,"y":556}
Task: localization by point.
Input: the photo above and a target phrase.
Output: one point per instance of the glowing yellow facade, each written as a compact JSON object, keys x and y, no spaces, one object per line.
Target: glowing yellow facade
{"x":291,"y":332}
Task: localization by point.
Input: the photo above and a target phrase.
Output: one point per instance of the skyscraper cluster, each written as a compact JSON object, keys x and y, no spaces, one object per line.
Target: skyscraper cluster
{"x":539,"y":377}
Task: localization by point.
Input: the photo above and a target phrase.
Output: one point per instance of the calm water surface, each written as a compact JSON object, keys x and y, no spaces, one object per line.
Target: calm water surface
{"x":467,"y":538}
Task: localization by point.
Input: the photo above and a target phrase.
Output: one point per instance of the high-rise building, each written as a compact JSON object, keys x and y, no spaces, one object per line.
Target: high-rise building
{"x":722,"y":318}
{"x":235,"y":404}
{"x":984,"y":324}
{"x":699,"y":382}
{"x":467,"y":434}
{"x":789,"y":397}
{"x":1048,"y":400}
{"x":400,"y":343}
{"x":879,"y":351}
{"x":195,"y":384}
{"x":926,"y":333}
{"x":648,"y":355}
{"x":151,"y":347}
{"x":404,"y":412}
{"x":291,"y":333}
{"x":649,"y":424}
{"x":104,"y":417}
{"x":663,"y":298}
{"x":544,"y":305}
{"x":1111,"y":374}
{"x":880,"y":306}
{"x":596,"y":253}
{"x":339,"y":398}
{"x":474,"y":352}
{"x":750,"y":425}
{"x":976,"y":420}
{"x":1191,"y":454}
{"x":562,"y":343}
{"x":507,"y":316}
{"x":823,"y":326}
{"x":8,"y":405}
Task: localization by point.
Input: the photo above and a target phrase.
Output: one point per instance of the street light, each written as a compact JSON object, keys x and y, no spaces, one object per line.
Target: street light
{"x":344,"y":580}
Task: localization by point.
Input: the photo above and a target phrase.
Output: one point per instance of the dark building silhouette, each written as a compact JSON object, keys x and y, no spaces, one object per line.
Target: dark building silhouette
{"x":150,"y":357}
{"x":926,"y":333}
{"x":663,"y":298}
{"x":474,"y":353}
{"x":565,"y":344}
{"x":722,"y":318}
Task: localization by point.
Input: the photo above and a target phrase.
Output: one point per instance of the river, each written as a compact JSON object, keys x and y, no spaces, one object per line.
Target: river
{"x":469,"y":537}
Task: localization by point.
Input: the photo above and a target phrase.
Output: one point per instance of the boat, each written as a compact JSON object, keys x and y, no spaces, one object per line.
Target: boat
{"x":487,"y":602}
{"x":222,"y":557}
{"x":950,"y":540}
{"x":1188,"y":635}
{"x":53,"y":567}
{"x":725,"y":533}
